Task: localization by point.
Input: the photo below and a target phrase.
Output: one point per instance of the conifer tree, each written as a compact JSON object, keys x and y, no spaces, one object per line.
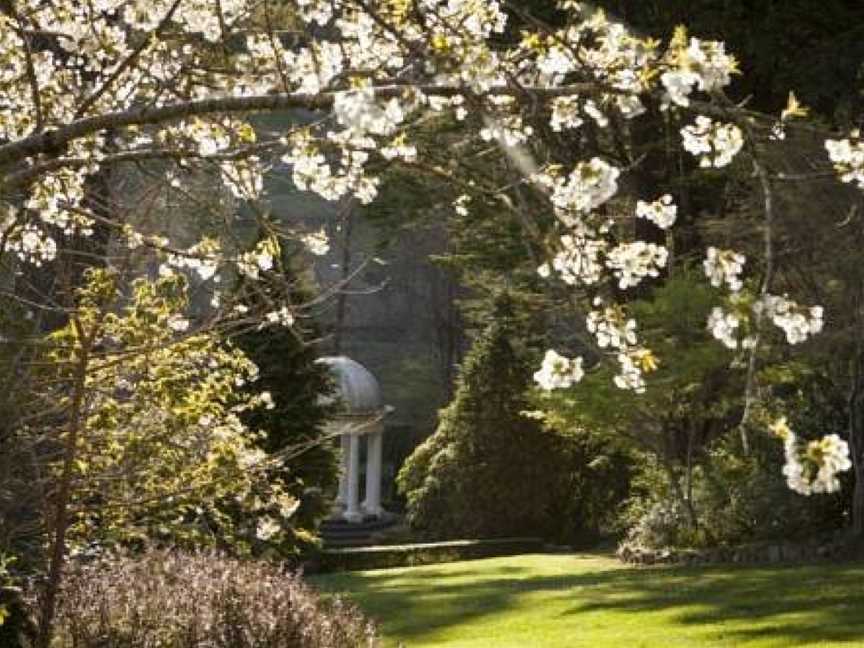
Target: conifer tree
{"x":294,"y":424}
{"x":487,"y":470}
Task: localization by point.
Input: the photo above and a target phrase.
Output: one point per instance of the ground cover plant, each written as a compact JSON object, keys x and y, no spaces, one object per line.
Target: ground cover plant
{"x":591,"y":600}
{"x":195,"y":600}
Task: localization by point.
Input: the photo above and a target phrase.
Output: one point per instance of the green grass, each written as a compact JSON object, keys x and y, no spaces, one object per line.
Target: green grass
{"x":573,"y":601}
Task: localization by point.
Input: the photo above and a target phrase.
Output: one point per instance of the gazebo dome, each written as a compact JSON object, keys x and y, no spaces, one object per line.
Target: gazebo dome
{"x":356,"y":387}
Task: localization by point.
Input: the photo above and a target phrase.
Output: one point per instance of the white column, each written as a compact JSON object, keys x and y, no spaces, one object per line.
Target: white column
{"x":352,"y":512}
{"x":372,"y":503}
{"x":342,"y":497}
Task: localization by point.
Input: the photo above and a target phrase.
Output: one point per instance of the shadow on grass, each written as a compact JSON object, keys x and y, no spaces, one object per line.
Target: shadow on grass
{"x":797,"y":605}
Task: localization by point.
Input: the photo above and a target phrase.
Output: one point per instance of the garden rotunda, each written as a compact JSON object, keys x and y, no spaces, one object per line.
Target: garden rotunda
{"x":361,"y":416}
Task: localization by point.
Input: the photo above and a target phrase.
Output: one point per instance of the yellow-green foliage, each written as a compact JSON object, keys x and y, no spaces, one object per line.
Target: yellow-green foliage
{"x":161,"y":451}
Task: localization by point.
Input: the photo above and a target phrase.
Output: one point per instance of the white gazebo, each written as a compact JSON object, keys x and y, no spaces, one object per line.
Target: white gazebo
{"x":360,"y":417}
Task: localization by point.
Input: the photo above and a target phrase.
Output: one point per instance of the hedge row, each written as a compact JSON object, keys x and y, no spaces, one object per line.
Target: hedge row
{"x":830,"y":546}
{"x":384,"y":556}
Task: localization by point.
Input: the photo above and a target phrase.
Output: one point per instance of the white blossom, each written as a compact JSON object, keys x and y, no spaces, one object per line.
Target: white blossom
{"x":260,"y":259}
{"x":724,"y":327}
{"x":848,"y":159}
{"x":662,"y":212}
{"x":460,"y":205}
{"x":507,"y":130}
{"x":630,"y":376}
{"x":679,"y":84}
{"x":360,"y":111}
{"x":632,"y":262}
{"x":267,"y":528}
{"x":815,"y":469}
{"x":399,"y":149}
{"x":178,"y":323}
{"x":704,"y":64}
{"x":318,"y":243}
{"x":555,"y":62}
{"x":594,"y":112}
{"x":203,"y":258}
{"x":558,"y":372}
{"x":630,"y":106}
{"x":612,"y":328}
{"x":244,"y":178}
{"x":31,"y":244}
{"x":282,"y":317}
{"x":714,"y":143}
{"x":266,"y":399}
{"x":797,"y":322}
{"x":724,"y":266}
{"x":565,"y":114}
{"x":578,"y":261}
{"x":587,"y":187}
{"x":711,"y":63}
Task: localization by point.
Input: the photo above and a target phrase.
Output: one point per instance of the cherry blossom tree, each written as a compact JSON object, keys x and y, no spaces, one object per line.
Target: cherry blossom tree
{"x":93,"y":90}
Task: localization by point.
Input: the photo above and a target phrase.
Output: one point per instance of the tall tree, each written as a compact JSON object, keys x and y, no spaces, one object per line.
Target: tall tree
{"x":292,"y":426}
{"x":488,"y":470}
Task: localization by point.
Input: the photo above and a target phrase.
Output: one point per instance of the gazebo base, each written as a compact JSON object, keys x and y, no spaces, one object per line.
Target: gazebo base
{"x":341,"y":533}
{"x":365,"y":514}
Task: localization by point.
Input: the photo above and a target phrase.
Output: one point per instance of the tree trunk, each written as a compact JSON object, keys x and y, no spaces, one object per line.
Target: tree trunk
{"x":48,"y":602}
{"x":688,"y":476}
{"x":856,"y":440}
{"x":681,"y":496}
{"x":858,"y":498}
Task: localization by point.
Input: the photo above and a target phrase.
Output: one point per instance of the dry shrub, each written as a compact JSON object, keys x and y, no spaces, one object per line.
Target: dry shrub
{"x":177,"y":600}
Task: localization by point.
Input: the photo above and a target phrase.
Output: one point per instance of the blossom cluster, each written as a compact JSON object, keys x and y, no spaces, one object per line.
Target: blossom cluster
{"x":848,"y":158}
{"x":797,"y":322}
{"x":566,"y":114}
{"x":318,"y":243}
{"x":558,"y":372}
{"x":633,"y":364}
{"x":614,"y":330}
{"x":260,"y":259}
{"x":28,"y":243}
{"x":714,"y":143}
{"x":724,"y":266}
{"x":701,"y":64}
{"x":813,"y":468}
{"x":359,"y":112}
{"x":203,"y":258}
{"x":630,"y":263}
{"x":578,"y":262}
{"x":724,"y":327}
{"x":662,"y":212}
{"x":588,"y":186}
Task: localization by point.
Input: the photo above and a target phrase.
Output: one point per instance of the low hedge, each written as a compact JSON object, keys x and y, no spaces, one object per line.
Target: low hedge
{"x":830,"y":546}
{"x":409,"y":555}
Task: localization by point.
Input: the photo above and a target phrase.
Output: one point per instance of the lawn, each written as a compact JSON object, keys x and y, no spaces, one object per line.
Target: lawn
{"x":570,"y":601}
